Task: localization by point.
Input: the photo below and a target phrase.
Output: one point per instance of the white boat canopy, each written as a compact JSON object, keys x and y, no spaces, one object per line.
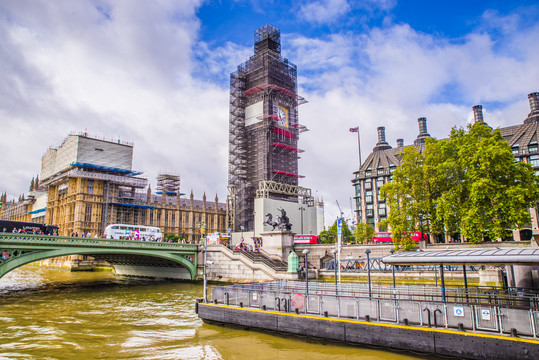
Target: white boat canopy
{"x":490,"y":256}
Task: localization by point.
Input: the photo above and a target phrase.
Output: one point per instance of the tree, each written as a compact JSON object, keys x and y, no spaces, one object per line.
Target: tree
{"x":329,"y":236}
{"x":172,"y":237}
{"x":363,"y":232}
{"x":408,"y":198}
{"x":469,"y":183}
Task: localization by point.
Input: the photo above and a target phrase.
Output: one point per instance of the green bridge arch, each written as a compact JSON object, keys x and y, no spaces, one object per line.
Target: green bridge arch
{"x":20,"y":249}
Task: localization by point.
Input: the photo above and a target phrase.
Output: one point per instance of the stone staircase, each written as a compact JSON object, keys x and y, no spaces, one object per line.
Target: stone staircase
{"x":255,"y":256}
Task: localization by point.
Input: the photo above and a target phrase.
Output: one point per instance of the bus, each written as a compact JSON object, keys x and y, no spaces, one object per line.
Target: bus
{"x":385,"y":237}
{"x":133,"y":232}
{"x":306,"y":239}
{"x":27,"y":227}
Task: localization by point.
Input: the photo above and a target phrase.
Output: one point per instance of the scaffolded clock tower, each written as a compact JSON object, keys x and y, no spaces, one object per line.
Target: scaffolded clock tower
{"x":264,"y":131}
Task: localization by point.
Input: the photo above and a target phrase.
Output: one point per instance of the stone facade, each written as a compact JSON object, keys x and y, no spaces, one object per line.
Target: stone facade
{"x":87,"y":183}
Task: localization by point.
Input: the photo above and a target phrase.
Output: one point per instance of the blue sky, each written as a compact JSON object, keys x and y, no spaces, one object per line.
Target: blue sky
{"x":156,"y":73}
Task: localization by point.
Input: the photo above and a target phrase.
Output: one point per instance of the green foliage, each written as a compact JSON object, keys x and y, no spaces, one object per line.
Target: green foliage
{"x":172,"y":237}
{"x":364,"y":232}
{"x":469,"y":183}
{"x":329,"y":236}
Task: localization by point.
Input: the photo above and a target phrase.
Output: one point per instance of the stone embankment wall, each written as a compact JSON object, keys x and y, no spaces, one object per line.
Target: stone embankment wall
{"x":321,"y":253}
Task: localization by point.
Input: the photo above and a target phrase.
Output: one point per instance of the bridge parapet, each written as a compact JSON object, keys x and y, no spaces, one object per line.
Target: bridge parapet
{"x":31,"y":239}
{"x":128,"y":257}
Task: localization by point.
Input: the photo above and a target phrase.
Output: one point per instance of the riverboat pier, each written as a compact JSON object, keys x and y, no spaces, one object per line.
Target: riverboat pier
{"x":474,"y":324}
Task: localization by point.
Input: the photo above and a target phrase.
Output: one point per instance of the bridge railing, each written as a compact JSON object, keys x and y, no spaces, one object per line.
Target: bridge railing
{"x":323,"y":299}
{"x":8,"y":238}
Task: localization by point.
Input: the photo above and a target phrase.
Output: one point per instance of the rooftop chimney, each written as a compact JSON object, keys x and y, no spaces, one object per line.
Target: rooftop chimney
{"x":381,"y":134}
{"x":382,"y":144}
{"x":423,"y":134}
{"x":478,"y":113}
{"x":534,"y":102}
{"x":400,"y":143}
{"x":533,"y":116}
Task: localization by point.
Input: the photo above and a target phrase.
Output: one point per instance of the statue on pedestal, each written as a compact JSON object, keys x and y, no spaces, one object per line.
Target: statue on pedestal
{"x":282,"y":222}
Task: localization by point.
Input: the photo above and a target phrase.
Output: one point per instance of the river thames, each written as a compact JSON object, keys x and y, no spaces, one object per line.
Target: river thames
{"x":55,"y":314}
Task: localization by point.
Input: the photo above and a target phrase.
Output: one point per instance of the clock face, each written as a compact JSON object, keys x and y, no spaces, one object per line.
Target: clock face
{"x":281,"y":116}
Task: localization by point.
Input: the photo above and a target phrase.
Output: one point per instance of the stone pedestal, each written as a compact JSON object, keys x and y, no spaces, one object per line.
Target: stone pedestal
{"x":278,"y":244}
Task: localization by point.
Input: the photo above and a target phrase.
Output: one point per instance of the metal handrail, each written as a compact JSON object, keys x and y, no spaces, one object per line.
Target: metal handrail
{"x":279,"y":295}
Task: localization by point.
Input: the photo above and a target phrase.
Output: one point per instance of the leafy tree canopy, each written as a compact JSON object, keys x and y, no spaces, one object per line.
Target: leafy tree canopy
{"x":329,"y":236}
{"x":469,"y":183}
{"x":363,"y":232}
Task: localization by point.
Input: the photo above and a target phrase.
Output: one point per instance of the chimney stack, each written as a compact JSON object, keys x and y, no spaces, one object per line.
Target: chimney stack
{"x":423,"y":134}
{"x":422,"y":125}
{"x":400,"y":143}
{"x":533,"y":116}
{"x":534,"y":102}
{"x":381,"y":134}
{"x":478,"y":113}
{"x":382,"y":144}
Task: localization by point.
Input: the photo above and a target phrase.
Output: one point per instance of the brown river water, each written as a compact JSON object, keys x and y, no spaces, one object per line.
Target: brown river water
{"x":55,"y":314}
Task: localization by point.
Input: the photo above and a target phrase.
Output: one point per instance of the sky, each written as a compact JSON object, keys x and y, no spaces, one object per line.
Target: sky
{"x":156,"y":73}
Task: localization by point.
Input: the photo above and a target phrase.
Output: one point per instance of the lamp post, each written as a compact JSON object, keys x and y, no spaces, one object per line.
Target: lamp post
{"x":306,"y":253}
{"x":368,"y":251}
{"x":202,"y":228}
{"x":335,"y":251}
{"x":301,"y":209}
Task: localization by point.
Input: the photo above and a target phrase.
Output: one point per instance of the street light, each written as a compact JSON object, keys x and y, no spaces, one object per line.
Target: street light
{"x":368,"y":251}
{"x":335,"y":251}
{"x":202,"y":228}
{"x":306,"y":253}
{"x":301,"y":209}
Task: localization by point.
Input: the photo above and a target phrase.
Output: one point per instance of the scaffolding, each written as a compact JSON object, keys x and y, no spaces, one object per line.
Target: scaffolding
{"x":168,"y":184}
{"x":265,"y":147}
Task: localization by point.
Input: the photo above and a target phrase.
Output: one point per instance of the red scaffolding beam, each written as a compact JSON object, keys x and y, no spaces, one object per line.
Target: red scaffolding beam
{"x":288,"y":174}
{"x":287,"y":147}
{"x":283,"y":132}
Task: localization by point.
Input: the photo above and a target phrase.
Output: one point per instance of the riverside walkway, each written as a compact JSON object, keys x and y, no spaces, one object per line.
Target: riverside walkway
{"x":127,"y":257}
{"x":473,"y":324}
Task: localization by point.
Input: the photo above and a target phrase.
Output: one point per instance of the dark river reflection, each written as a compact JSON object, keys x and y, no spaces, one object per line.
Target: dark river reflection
{"x":54,"y":314}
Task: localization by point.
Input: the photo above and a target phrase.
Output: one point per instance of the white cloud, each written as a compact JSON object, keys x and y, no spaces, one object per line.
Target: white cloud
{"x":128,"y":74}
{"x":324,"y":11}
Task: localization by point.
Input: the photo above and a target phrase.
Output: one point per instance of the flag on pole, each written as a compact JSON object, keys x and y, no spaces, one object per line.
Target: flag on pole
{"x":356,"y":129}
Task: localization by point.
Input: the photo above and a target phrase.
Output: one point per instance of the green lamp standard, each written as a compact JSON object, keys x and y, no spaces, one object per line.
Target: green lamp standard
{"x":202,"y":228}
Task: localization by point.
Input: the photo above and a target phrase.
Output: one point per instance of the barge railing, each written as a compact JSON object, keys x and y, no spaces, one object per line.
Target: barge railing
{"x":502,"y":312}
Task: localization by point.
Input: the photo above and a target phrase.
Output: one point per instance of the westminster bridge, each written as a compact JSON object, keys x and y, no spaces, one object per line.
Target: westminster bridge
{"x":127,"y":257}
